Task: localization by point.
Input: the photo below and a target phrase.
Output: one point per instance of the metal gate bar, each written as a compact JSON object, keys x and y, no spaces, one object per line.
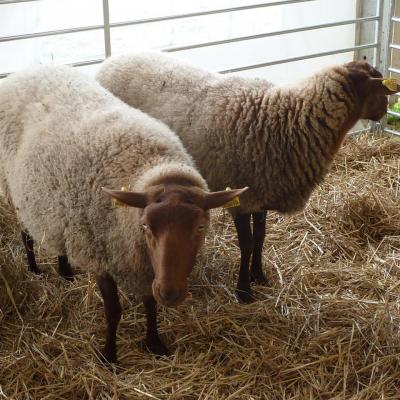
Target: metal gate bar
{"x":107,"y":26}
{"x":270,"y":34}
{"x":389,"y":46}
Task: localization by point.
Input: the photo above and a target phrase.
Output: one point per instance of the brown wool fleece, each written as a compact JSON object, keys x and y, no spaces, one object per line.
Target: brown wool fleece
{"x":279,"y":141}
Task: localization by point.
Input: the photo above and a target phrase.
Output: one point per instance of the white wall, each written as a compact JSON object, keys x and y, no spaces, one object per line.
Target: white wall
{"x":15,"y":20}
{"x":58,"y":14}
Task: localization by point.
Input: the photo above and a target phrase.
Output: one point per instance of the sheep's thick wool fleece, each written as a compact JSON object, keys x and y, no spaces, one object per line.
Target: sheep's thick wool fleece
{"x":63,"y":137}
{"x":241,"y":131}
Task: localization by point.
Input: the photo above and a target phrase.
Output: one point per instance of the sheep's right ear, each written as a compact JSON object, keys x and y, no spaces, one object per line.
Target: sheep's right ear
{"x":132,"y":199}
{"x":384,"y":86}
{"x":218,"y":199}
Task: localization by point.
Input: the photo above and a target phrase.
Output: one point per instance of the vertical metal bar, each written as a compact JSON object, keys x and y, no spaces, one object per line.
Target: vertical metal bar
{"x":106,"y":27}
{"x":378,"y":30}
{"x":365,"y":33}
{"x":377,"y":126}
{"x":386,"y":31}
{"x":385,"y":39}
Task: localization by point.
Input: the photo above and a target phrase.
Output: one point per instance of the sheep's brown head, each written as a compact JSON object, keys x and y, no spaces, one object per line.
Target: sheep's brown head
{"x":174,"y":220}
{"x":368,"y":84}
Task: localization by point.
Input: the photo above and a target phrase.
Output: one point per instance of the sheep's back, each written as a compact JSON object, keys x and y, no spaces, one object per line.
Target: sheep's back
{"x":203,"y":108}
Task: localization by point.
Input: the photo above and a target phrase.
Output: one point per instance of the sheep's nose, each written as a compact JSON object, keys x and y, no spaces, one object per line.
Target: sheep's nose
{"x":169,"y":296}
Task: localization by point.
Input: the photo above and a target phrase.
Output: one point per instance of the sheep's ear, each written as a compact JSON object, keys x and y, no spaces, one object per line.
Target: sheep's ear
{"x":132,"y":199}
{"x":218,"y":199}
{"x":384,"y":86}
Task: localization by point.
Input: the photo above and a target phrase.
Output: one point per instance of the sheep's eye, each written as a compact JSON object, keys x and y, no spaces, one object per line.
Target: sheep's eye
{"x":201,"y":228}
{"x":145,"y":226}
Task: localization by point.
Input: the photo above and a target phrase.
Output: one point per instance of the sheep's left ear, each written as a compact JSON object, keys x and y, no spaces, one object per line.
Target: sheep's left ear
{"x":218,"y":199}
{"x":383,"y":86}
{"x":132,"y":199}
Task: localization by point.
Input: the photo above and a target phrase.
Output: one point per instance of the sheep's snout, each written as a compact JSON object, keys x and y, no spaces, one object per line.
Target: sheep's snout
{"x":167,"y":296}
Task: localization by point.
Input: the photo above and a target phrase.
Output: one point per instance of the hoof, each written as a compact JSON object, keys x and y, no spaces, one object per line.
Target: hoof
{"x":108,"y":357}
{"x":245,"y":295}
{"x":154,"y":346}
{"x":69,"y":278}
{"x":258,"y":278}
{"x":64,"y":268}
{"x":38,"y":272}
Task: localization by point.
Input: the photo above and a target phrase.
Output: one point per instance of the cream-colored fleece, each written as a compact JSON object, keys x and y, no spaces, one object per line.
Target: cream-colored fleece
{"x":63,"y":137}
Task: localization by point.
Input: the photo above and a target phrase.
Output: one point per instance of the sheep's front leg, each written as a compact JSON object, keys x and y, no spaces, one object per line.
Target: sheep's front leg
{"x":243,"y":228}
{"x":28,"y":244}
{"x":153,"y":342}
{"x":64,"y":268}
{"x":256,"y":273}
{"x":113,"y":310}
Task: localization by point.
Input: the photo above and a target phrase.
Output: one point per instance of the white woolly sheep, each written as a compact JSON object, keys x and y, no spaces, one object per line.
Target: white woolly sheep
{"x":62,"y":138}
{"x":279,"y":141}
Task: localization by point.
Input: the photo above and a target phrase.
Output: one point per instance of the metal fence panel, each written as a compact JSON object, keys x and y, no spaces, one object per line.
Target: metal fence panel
{"x":382,"y":46}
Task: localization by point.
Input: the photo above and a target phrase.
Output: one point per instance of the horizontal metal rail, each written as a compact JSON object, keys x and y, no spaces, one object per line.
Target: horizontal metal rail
{"x":86,"y":63}
{"x":395,"y":19}
{"x":254,"y":66}
{"x":189,"y":15}
{"x":269,"y":34}
{"x":214,"y":43}
{"x":394,"y":113}
{"x":50,"y":33}
{"x":391,"y":131}
{"x":300,"y":58}
{"x":394,"y":46}
{"x":76,"y":64}
{"x":394,"y":70}
{"x":194,"y":46}
{"x":14,"y":1}
{"x":142,"y":21}
{"x":204,"y":13}
{"x":188,"y":47}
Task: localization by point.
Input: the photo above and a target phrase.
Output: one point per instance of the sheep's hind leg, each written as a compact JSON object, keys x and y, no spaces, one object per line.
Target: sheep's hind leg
{"x":256,"y":273}
{"x":153,"y":342}
{"x":113,"y":310}
{"x":243,"y":228}
{"x":64,"y":268}
{"x":28,"y":244}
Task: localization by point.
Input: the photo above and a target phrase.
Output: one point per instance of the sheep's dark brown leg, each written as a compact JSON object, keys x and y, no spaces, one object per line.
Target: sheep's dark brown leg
{"x":256,"y":273}
{"x":64,"y":268}
{"x":153,"y":342}
{"x":113,"y":310}
{"x":28,"y":244}
{"x":243,"y":227}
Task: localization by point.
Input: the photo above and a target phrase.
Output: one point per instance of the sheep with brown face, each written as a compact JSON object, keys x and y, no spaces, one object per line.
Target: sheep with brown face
{"x":58,"y":160}
{"x":279,"y":141}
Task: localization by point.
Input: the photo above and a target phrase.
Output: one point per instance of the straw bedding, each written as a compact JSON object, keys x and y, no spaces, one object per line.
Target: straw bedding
{"x":326,"y":326}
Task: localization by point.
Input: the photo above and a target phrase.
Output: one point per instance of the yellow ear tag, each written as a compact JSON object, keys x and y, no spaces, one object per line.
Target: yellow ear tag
{"x":235,"y":202}
{"x":391,"y":84}
{"x":117,"y":203}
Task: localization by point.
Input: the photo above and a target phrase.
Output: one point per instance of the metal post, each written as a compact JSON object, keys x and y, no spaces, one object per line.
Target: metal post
{"x":378,"y":30}
{"x":106,"y":27}
{"x":366,"y":33}
{"x":385,"y":28}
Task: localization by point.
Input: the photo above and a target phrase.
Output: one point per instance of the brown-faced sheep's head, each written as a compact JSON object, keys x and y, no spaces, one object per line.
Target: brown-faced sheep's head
{"x":370,"y":91}
{"x":174,"y":219}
